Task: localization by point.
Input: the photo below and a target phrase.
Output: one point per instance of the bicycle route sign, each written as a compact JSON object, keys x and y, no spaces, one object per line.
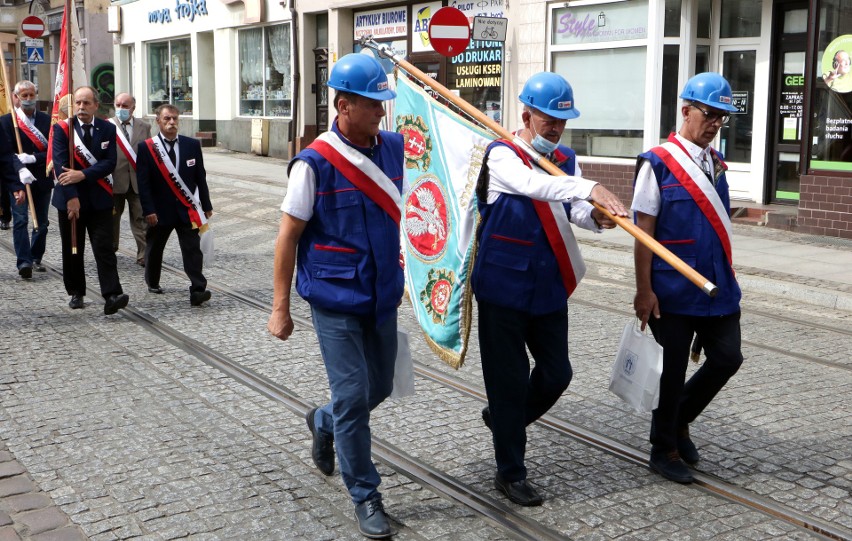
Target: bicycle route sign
{"x":490,"y":28}
{"x":449,"y":31}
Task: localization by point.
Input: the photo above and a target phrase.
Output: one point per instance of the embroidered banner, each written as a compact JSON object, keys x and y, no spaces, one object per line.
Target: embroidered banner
{"x":443,"y":156}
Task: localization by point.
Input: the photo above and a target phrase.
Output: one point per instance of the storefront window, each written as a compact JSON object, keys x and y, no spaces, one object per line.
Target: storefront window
{"x":170,"y":75}
{"x":831,"y":128}
{"x":608,"y":81}
{"x":738,"y":68}
{"x":669,"y":101}
{"x":265,"y":68}
{"x":672,"y":22}
{"x":740,"y":19}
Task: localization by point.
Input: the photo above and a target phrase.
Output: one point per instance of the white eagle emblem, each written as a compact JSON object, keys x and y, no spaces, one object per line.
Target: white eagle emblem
{"x":427,"y":216}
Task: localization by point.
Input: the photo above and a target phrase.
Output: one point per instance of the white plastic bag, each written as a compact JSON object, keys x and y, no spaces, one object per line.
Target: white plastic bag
{"x":636,"y":372}
{"x":403,"y":372}
{"x":207,"y":246}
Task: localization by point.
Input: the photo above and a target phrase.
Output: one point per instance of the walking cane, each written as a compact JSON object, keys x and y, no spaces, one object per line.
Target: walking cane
{"x":647,"y":240}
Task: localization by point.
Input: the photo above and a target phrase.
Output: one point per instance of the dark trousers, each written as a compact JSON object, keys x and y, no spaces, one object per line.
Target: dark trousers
{"x":190,"y":250}
{"x":5,"y":205}
{"x":98,"y":223}
{"x":680,"y":403}
{"x":516,"y":396}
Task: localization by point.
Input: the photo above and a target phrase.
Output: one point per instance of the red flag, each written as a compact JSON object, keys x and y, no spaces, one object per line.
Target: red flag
{"x":62,"y":91}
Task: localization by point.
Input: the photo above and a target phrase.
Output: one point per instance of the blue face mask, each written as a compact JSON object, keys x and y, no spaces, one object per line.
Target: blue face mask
{"x":541,"y":144}
{"x":28,"y":104}
{"x":123,"y":114}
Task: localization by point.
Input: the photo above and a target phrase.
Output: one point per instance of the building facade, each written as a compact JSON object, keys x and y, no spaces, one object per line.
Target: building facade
{"x":255,"y":70}
{"x":788,"y":146}
{"x":225,"y":64}
{"x":34,"y":59}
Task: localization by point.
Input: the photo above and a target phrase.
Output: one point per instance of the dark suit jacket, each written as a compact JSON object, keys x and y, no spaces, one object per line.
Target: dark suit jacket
{"x":92,"y":196}
{"x":124,"y":176}
{"x":154,"y":191}
{"x":9,"y":164}
{"x":38,"y":169}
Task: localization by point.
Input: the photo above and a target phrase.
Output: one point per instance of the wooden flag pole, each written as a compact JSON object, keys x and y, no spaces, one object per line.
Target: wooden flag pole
{"x":69,"y":72}
{"x":647,"y":240}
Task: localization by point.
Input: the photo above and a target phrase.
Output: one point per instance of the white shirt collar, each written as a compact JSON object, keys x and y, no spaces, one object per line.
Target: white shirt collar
{"x":696,"y":152}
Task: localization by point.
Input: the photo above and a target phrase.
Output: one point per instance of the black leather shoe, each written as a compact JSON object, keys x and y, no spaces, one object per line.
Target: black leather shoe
{"x":114,"y":303}
{"x":686,"y":448}
{"x":372,"y":520}
{"x":322,"y":450}
{"x":155,"y":289}
{"x":670,"y":466}
{"x":4,"y":226}
{"x":198,"y":297}
{"x":486,"y":417}
{"x":140,"y":261}
{"x":519,"y":492}
{"x":38,"y":267}
{"x":26,"y":272}
{"x":76,"y":302}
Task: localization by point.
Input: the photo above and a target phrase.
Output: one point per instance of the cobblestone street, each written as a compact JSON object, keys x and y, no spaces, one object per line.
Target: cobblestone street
{"x":109,"y":431}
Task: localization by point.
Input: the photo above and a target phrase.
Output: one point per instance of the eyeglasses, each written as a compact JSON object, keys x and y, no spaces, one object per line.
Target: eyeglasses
{"x":712,"y":117}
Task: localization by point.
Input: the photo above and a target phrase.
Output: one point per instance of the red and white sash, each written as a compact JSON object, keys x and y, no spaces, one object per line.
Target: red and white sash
{"x":191,"y":200}
{"x":33,"y":134}
{"x":560,"y":236}
{"x":86,"y":159}
{"x":360,"y":171}
{"x":124,"y":144}
{"x":692,"y":177}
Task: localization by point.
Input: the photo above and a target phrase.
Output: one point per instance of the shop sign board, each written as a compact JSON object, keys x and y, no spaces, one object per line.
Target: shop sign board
{"x":382,"y":23}
{"x":183,"y":11}
{"x":421,"y":15}
{"x":591,"y":24}
{"x":449,"y":31}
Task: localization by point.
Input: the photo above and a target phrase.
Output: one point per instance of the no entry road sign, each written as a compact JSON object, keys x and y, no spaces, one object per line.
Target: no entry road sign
{"x":32,"y":26}
{"x":449,"y":31}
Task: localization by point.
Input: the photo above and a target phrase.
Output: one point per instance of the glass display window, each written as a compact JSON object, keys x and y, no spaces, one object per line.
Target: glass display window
{"x":170,"y":74}
{"x":831,"y":124}
{"x":265,"y":72}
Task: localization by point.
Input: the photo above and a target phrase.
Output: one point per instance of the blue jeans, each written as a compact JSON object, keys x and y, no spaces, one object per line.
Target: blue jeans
{"x":359,"y":360}
{"x":29,"y":249}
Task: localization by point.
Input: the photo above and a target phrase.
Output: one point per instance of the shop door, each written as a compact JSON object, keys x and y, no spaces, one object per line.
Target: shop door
{"x":786,"y":98}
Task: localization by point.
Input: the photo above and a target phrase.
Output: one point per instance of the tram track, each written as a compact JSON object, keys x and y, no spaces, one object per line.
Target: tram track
{"x":498,"y":513}
{"x":505,"y":517}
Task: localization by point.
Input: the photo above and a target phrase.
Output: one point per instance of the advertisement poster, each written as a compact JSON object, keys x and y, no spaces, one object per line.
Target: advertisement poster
{"x":836,"y":63}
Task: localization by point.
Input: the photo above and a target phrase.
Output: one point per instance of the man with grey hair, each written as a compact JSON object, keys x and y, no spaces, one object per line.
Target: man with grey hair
{"x":83,"y":199}
{"x":130,"y":131}
{"x":33,"y":127}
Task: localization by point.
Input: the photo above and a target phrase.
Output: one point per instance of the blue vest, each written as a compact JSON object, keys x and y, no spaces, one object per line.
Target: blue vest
{"x":348,"y":255}
{"x":682,"y":228}
{"x":515,"y":266}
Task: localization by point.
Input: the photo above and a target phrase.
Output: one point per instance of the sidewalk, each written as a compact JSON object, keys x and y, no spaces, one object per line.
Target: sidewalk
{"x":807,"y":268}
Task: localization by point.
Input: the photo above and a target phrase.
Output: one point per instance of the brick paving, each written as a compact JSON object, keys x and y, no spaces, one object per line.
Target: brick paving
{"x":107,"y":432}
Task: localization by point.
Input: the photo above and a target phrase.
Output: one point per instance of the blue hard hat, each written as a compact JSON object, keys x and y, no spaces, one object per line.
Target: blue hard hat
{"x":711,"y":89}
{"x":361,"y":74}
{"x":551,"y":94}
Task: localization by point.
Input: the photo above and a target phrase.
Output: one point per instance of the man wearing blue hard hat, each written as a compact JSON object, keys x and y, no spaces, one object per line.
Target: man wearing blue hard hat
{"x":681,"y":199}
{"x":527,"y":266}
{"x":340,"y":232}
